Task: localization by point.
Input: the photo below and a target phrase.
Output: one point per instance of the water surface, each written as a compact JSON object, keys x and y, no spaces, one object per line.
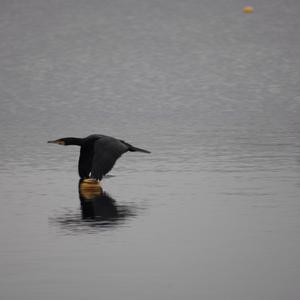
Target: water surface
{"x":213,"y":213}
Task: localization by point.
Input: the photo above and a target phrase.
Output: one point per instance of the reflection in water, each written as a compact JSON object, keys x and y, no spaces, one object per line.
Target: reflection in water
{"x":99,"y":211}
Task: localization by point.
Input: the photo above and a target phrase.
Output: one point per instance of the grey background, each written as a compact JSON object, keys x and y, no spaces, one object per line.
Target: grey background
{"x":213,"y":212}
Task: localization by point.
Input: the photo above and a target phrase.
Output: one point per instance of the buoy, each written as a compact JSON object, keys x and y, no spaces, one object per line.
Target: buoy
{"x":248,"y":9}
{"x":90,"y":188}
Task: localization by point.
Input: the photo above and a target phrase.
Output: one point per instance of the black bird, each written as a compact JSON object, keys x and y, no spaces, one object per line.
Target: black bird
{"x":98,"y":153}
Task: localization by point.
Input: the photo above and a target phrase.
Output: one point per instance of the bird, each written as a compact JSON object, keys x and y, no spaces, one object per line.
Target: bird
{"x":98,"y":153}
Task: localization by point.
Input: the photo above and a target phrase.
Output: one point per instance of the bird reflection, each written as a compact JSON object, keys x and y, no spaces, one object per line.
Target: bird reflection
{"x":99,"y":211}
{"x":98,"y":205}
{"x":95,"y":203}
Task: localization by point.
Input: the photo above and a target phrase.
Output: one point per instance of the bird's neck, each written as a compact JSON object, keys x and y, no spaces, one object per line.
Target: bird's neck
{"x":73,"y":141}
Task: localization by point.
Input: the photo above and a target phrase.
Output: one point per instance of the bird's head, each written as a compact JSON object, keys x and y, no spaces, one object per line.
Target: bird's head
{"x":61,"y":141}
{"x":67,"y":141}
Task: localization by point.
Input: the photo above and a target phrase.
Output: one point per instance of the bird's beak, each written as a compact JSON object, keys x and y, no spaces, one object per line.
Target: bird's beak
{"x":59,"y":142}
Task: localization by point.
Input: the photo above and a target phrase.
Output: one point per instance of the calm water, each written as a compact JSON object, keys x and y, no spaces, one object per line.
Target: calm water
{"x":213,"y":213}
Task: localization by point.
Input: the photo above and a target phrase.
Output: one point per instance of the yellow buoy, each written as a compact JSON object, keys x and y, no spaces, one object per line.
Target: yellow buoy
{"x":90,"y":188}
{"x":248,"y":9}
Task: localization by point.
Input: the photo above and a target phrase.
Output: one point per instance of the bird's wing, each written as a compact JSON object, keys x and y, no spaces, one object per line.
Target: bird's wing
{"x":85,"y":161}
{"x":106,"y":151}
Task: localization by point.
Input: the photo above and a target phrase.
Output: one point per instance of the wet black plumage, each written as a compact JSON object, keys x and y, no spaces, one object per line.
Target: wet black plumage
{"x":98,"y":153}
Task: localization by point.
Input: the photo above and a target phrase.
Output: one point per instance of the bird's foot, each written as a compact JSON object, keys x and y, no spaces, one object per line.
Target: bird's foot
{"x":91,"y":180}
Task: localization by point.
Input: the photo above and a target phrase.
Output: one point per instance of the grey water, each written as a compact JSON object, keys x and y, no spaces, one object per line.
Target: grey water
{"x":213,"y":212}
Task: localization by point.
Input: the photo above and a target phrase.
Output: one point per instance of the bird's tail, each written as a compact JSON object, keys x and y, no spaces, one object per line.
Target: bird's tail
{"x":135,"y":149}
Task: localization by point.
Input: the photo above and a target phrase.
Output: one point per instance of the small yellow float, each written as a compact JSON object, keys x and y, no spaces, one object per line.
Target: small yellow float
{"x":248,"y":9}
